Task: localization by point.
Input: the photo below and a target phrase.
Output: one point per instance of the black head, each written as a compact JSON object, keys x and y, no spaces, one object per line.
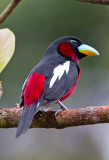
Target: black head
{"x":70,"y":47}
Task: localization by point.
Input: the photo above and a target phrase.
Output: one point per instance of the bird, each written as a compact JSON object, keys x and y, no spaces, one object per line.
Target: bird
{"x":53,"y":79}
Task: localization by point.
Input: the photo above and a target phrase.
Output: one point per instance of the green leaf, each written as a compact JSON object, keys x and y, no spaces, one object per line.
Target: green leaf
{"x":7,"y":47}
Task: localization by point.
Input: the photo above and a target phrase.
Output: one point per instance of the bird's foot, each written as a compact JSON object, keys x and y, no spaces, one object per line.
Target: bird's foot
{"x":63,"y":107}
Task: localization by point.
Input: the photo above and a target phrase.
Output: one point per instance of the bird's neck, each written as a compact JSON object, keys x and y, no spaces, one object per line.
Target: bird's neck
{"x":52,"y":55}
{"x":75,"y":58}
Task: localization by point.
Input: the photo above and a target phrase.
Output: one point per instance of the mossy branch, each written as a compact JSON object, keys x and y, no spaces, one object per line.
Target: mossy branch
{"x":9,"y":118}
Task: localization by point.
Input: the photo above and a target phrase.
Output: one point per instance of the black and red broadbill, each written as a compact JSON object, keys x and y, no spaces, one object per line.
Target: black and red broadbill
{"x":53,"y":79}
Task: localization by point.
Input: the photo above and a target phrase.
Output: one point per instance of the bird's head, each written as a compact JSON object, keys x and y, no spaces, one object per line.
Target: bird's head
{"x":72,"y":48}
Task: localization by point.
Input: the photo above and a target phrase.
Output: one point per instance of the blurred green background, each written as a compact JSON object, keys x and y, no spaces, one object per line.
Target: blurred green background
{"x":36,"y":24}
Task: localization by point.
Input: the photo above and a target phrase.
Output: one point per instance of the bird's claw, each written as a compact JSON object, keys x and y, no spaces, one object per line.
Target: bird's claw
{"x":63,"y":107}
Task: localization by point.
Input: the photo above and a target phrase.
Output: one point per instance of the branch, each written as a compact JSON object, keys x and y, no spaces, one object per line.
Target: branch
{"x":105,"y":2}
{"x":9,"y":118}
{"x":8,"y":10}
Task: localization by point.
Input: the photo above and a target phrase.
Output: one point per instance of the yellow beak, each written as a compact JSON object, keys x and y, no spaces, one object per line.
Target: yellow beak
{"x":87,"y":50}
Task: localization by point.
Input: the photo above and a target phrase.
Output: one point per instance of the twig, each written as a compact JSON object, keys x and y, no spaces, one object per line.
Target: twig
{"x":105,"y":2}
{"x":84,"y":116}
{"x":7,"y":11}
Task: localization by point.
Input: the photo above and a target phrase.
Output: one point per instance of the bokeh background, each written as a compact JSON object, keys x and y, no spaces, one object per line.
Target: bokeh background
{"x":36,"y":24}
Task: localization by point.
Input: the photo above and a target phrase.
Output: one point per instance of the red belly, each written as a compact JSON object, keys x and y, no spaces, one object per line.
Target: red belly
{"x":72,"y":89}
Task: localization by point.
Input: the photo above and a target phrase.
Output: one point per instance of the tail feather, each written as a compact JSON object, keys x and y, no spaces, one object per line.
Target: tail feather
{"x":27,"y":117}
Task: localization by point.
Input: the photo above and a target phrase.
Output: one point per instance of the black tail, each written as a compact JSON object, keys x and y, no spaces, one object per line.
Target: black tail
{"x":27,"y":117}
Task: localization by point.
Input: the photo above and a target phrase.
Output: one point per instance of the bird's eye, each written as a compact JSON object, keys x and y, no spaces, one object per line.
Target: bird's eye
{"x":74,"y":42}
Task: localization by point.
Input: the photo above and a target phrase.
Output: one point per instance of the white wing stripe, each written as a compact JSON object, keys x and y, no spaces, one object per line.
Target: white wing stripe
{"x":59,"y":71}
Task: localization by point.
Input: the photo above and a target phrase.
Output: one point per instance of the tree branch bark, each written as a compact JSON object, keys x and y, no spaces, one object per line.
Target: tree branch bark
{"x":105,"y":2}
{"x":8,"y":10}
{"x":9,"y":118}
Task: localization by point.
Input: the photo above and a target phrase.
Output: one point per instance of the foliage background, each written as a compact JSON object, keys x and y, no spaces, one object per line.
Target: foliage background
{"x":36,"y":24}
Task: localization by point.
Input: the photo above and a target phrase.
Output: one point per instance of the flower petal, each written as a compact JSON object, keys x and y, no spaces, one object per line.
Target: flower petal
{"x":7,"y":47}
